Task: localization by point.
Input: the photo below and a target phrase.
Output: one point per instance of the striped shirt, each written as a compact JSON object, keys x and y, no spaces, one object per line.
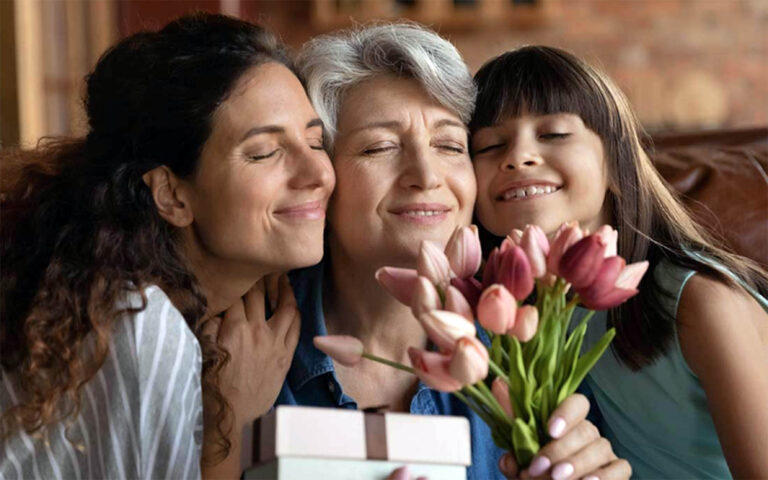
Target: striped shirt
{"x":141,"y":414}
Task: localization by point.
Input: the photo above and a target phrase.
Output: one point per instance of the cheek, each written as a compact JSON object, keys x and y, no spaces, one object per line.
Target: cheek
{"x":465,"y":187}
{"x":356,"y":195}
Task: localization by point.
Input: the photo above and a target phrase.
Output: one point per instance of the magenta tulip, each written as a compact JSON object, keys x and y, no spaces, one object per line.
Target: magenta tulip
{"x":526,"y":323}
{"x":346,"y":350}
{"x":567,"y":235}
{"x":399,"y":282}
{"x":470,"y":288}
{"x":469,"y":364}
{"x":455,"y":302}
{"x":514,"y":272}
{"x":433,"y":264}
{"x":616,"y":282}
{"x":496,"y":309}
{"x":432,"y":368}
{"x":446,"y":328}
{"x":425,"y":297}
{"x":581,"y":263}
{"x":500,"y":392}
{"x":491,"y":267}
{"x":464,"y":252}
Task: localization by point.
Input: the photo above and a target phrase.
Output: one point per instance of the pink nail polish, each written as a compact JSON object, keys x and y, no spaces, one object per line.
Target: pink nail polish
{"x":590,"y":477}
{"x":402,"y":473}
{"x":562,"y":471}
{"x":556,"y":427}
{"x":539,"y":465}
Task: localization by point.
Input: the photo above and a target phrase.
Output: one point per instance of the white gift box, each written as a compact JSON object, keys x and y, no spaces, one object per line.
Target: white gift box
{"x":307,"y":442}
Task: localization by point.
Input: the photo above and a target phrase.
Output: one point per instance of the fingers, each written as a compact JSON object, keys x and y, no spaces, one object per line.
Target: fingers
{"x":400,"y":474}
{"x":254,"y":304}
{"x":508,"y":465}
{"x":272,"y":287}
{"x":618,"y":469}
{"x":567,"y":415}
{"x":286,"y":313}
{"x":588,"y":459}
{"x":233,"y":317}
{"x":210,"y":328}
{"x":560,"y":450}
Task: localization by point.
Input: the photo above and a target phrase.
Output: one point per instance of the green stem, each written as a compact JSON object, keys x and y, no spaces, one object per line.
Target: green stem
{"x":497,"y":416}
{"x":495,"y":405}
{"x":392,"y":364}
{"x":498,"y":371}
{"x":479,"y":411}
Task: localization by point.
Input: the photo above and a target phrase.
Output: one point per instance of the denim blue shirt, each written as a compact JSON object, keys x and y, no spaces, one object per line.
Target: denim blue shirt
{"x":312,"y":380}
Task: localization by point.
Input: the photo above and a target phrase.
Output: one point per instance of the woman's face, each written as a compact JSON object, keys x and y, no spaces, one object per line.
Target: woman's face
{"x":542,"y":170}
{"x":261,"y":188}
{"x":403,"y":172}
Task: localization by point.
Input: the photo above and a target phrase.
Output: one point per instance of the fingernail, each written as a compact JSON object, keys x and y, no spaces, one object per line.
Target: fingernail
{"x":590,"y":477}
{"x":539,"y":465}
{"x":401,"y":473}
{"x":556,"y":427}
{"x":562,"y":471}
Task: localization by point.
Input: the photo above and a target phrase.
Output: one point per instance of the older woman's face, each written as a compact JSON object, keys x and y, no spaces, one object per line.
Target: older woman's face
{"x":261,"y":189}
{"x":403,"y":172}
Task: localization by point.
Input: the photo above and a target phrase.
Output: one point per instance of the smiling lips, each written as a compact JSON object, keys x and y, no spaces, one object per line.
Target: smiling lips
{"x":529,"y":191}
{"x":422,"y":213}
{"x":303,"y":211}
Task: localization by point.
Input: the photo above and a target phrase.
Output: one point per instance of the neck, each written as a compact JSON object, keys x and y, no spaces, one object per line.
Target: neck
{"x":355,"y":304}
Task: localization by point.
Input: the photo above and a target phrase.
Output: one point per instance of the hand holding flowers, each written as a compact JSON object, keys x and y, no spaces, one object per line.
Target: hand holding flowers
{"x":533,"y":360}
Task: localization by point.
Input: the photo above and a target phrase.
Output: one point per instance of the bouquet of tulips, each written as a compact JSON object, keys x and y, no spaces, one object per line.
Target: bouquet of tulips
{"x":533,"y":359}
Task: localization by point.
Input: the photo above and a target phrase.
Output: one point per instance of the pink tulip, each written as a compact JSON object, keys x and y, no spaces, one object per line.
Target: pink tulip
{"x":514,"y":272}
{"x":567,"y":235}
{"x":346,"y":350}
{"x":469,"y":364}
{"x":464,"y":252}
{"x":433,"y":264}
{"x":470,"y":288}
{"x":616,"y":282}
{"x":580,"y":264}
{"x":535,"y":245}
{"x":425,"y":297}
{"x":500,"y":392}
{"x":455,"y":302}
{"x":496,"y":309}
{"x":445,"y":328}
{"x":432,"y":368}
{"x":610,"y":238}
{"x":491,"y":267}
{"x":399,"y":282}
{"x":526,"y":323}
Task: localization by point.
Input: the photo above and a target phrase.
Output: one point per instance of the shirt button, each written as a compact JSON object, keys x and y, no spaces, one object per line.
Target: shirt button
{"x":332,"y":387}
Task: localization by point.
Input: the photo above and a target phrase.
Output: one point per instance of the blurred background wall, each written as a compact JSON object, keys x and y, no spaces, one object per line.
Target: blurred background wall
{"x":685,"y":64}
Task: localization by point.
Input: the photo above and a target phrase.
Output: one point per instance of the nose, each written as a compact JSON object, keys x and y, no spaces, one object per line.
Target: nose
{"x":311,"y":169}
{"x":521,"y":155}
{"x":420,"y":169}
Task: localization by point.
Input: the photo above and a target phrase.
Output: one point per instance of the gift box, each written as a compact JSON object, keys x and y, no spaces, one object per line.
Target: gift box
{"x":307,"y":442}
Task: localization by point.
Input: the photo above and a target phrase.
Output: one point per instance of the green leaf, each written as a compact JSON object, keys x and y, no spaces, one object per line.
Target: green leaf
{"x":496,"y":349}
{"x":586,"y":363}
{"x":525,"y":442}
{"x":571,"y":353}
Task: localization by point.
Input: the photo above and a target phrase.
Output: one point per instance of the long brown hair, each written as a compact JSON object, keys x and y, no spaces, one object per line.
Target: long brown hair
{"x":80,"y":228}
{"x":652,"y":223}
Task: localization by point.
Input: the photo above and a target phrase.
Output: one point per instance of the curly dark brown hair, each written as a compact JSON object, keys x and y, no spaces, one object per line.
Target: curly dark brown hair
{"x":80,"y":229}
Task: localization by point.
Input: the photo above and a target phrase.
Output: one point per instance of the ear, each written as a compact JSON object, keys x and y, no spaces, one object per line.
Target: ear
{"x":169,"y":196}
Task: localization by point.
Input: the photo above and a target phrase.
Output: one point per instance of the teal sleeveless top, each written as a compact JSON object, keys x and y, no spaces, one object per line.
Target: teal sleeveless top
{"x":657,"y":418}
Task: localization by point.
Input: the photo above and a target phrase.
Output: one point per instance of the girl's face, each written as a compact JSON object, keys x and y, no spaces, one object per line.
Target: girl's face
{"x":403,"y":169}
{"x":262,"y":185}
{"x":542,"y":170}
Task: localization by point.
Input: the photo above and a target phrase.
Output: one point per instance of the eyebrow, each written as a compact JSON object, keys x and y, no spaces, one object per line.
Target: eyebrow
{"x":315,"y":122}
{"x":392,"y":124}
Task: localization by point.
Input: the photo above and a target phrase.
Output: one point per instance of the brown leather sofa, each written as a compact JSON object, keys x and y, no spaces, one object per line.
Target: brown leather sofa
{"x":723,"y":178}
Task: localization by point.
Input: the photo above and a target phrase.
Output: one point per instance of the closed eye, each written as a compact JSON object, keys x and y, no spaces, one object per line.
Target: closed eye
{"x":376,"y":150}
{"x":553,"y":136}
{"x":452,"y":148}
{"x":488,"y":148}
{"x":256,"y":158}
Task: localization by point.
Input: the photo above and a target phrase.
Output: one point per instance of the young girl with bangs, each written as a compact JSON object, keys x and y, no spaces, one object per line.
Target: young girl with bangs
{"x":683,"y":394}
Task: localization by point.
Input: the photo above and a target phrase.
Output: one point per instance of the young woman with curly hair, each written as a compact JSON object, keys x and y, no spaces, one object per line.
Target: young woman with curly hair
{"x":134,"y":259}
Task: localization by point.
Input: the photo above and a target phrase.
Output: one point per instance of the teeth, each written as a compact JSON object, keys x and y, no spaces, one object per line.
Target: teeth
{"x":423,"y":213}
{"x":529,"y":191}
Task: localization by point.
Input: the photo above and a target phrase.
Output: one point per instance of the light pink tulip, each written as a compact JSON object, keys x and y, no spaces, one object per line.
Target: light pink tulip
{"x":580,"y":264}
{"x":399,"y":282}
{"x":470,"y":288}
{"x":445,"y":328}
{"x":535,"y":249}
{"x":526,"y":323}
{"x":346,"y":350}
{"x":433,"y":264}
{"x":500,"y":392}
{"x":567,"y":235}
{"x":432,"y":368}
{"x":616,"y":282}
{"x":425,"y":297}
{"x":511,"y":240}
{"x":514,"y":272}
{"x":464,"y":252}
{"x":496,"y":309}
{"x":455,"y":302}
{"x":610,"y":237}
{"x":469,"y":364}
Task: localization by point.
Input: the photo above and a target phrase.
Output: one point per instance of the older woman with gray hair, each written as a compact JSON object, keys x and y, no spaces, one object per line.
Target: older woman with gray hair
{"x":395,"y":100}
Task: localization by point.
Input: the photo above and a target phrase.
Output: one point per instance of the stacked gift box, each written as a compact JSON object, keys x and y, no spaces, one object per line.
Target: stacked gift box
{"x":292,"y":443}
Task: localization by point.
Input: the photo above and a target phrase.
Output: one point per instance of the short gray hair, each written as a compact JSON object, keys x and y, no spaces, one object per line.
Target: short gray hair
{"x":331,"y":64}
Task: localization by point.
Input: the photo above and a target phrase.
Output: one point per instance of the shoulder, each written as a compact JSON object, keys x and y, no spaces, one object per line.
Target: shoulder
{"x":718,"y":324}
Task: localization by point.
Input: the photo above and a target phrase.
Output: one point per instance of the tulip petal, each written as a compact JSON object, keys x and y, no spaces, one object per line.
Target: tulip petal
{"x":464,"y":252}
{"x":433,"y":264}
{"x":469,"y":364}
{"x":500,"y":392}
{"x":455,"y":302}
{"x":526,"y":323}
{"x":445,"y":328}
{"x":496,"y":309}
{"x":345,"y":349}
{"x":399,"y":282}
{"x":514,"y":272}
{"x":470,"y":288}
{"x":432,"y":368}
{"x":425,"y":297}
{"x":581,"y":263}
{"x":630,"y":277}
